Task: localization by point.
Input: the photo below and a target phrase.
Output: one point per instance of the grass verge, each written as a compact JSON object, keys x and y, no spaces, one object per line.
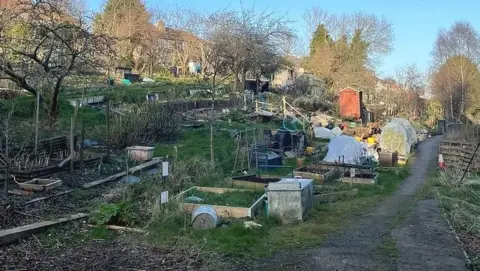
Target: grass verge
{"x":461,"y":205}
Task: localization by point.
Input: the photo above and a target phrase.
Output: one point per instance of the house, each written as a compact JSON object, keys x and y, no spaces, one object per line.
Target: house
{"x":287,"y":75}
{"x":180,"y":49}
{"x":350,"y":103}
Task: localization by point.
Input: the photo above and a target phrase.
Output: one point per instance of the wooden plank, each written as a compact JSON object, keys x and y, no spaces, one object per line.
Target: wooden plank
{"x":222,"y":211}
{"x":11,"y":235}
{"x":121,"y":174}
{"x":52,"y":196}
{"x":359,"y":180}
{"x":246,"y":184}
{"x":40,"y":184}
{"x":220,"y":190}
{"x":336,"y":196}
{"x":20,"y":192}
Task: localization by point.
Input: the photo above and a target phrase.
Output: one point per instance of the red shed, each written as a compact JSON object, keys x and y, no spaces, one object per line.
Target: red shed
{"x":350,"y":102}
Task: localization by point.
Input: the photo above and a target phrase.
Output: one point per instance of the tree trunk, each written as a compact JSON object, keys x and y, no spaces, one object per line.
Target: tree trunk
{"x":54,"y":102}
{"x":244,"y":79}
{"x":235,"y":80}
{"x":451,"y":106}
{"x":212,"y":158}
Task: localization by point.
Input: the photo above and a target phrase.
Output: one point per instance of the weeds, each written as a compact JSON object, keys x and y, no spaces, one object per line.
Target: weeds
{"x":145,"y":124}
{"x":237,"y":199}
{"x":389,"y":247}
{"x":461,"y":204}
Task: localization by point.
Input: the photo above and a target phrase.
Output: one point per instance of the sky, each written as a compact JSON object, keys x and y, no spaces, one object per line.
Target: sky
{"x":415,"y":22}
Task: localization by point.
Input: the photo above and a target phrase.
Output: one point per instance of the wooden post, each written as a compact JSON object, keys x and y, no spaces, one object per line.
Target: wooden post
{"x":72,"y":147}
{"x":108,"y":129}
{"x":284,"y":103}
{"x":37,"y":111}
{"x":82,"y":139}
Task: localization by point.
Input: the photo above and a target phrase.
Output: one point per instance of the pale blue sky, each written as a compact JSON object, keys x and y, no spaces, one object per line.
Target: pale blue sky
{"x":415,"y":22}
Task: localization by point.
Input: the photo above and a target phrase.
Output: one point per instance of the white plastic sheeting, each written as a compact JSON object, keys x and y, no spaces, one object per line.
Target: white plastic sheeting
{"x":411,"y":132}
{"x":346,"y":149}
{"x":398,"y":135}
{"x":337,"y":131}
{"x":322,"y":132}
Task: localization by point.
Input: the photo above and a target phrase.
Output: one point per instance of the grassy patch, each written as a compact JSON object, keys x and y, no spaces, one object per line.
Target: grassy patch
{"x":461,"y":205}
{"x":234,"y":198}
{"x":389,"y":247}
{"x":196,"y":142}
{"x":237,"y":241}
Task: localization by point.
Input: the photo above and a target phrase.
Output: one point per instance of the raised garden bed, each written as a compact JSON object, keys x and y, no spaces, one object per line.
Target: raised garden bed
{"x":255,"y":182}
{"x":40,"y":184}
{"x":227,"y":202}
{"x":50,"y":170}
{"x":367,"y":178}
{"x":318,"y":172}
{"x":335,"y":196}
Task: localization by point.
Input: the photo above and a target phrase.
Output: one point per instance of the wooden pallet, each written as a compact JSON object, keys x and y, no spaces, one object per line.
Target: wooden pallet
{"x":457,"y":154}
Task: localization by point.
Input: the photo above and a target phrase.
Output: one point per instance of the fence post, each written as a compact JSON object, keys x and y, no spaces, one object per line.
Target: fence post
{"x":108,"y":129}
{"x":37,"y":111}
{"x":71,"y":145}
{"x":82,"y":140}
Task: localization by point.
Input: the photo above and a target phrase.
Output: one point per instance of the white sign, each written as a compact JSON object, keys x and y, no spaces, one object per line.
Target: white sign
{"x":164,"y":197}
{"x":164,"y":169}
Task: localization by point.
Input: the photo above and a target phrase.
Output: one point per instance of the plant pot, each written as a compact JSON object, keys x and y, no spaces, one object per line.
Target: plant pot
{"x":300,"y":161}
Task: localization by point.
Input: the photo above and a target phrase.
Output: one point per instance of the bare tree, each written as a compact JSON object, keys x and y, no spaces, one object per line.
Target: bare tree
{"x":455,"y":56}
{"x":314,"y":17}
{"x":217,"y":66}
{"x":42,"y":43}
{"x":409,"y":77}
{"x":179,"y":17}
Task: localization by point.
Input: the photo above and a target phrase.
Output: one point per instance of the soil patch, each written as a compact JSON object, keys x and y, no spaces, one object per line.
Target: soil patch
{"x":256,"y":179}
{"x":14,"y":210}
{"x":45,"y":252}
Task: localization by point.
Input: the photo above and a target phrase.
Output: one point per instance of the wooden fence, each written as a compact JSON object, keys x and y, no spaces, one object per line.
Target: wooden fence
{"x":201,"y":104}
{"x":457,"y":154}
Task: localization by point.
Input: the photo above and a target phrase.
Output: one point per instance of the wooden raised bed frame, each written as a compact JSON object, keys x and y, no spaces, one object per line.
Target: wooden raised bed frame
{"x":50,"y":170}
{"x":40,"y":184}
{"x":240,"y":182}
{"x":332,"y":172}
{"x":335,"y":196}
{"x":222,"y":211}
{"x":361,"y":180}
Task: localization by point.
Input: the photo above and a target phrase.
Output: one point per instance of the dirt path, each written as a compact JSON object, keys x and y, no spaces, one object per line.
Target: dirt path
{"x":398,"y":234}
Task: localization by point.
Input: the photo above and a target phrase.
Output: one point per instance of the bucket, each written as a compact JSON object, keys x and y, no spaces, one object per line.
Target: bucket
{"x":204,"y":218}
{"x":300,"y":161}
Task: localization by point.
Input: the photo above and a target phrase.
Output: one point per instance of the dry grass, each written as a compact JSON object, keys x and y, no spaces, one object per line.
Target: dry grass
{"x":461,"y":204}
{"x":466,"y":132}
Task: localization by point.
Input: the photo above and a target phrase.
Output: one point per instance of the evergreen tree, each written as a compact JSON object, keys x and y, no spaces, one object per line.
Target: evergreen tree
{"x":320,"y":40}
{"x":128,"y":21}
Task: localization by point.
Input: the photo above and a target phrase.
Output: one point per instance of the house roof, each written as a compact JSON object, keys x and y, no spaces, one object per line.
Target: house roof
{"x":351,"y":88}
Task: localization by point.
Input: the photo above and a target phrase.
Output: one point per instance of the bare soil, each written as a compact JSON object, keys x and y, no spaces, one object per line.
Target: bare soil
{"x":256,"y":179}
{"x":14,"y":210}
{"x":398,"y":234}
{"x":64,"y":250}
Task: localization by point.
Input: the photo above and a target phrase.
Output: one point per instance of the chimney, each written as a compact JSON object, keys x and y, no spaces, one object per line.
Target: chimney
{"x":160,"y":25}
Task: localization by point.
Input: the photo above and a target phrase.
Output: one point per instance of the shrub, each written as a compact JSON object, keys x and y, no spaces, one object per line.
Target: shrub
{"x":144,"y":124}
{"x":312,"y":103}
